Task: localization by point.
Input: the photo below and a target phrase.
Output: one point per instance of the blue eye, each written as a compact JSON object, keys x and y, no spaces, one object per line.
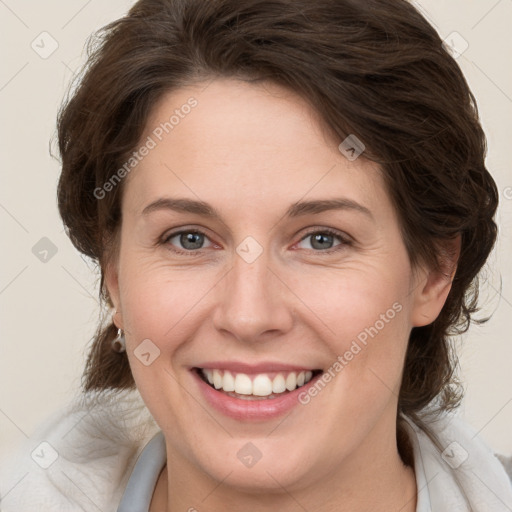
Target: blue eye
{"x":322,"y":240}
{"x":190,"y":240}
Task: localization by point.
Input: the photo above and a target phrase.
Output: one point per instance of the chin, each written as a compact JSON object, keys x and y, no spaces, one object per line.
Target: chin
{"x":254,"y":467}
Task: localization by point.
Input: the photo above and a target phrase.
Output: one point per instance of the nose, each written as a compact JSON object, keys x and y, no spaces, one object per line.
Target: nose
{"x":254,"y":302}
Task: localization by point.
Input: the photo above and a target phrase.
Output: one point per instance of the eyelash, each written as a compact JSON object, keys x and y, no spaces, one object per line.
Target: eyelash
{"x":345,"y":241}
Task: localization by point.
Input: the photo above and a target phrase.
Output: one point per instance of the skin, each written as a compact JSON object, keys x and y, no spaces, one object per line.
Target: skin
{"x":251,"y":151}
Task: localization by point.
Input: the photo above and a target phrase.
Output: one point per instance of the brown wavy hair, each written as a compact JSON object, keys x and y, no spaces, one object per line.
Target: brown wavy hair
{"x":373,"y":68}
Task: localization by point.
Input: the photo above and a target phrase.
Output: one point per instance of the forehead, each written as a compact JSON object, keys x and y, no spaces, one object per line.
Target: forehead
{"x":244,"y":144}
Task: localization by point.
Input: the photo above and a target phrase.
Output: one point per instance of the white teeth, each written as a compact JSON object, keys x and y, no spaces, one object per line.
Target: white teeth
{"x":243,"y":384}
{"x":228,"y":383}
{"x":278,"y":384}
{"x":261,"y":385}
{"x":209,"y":375}
{"x":291,"y":381}
{"x":217,"y":379}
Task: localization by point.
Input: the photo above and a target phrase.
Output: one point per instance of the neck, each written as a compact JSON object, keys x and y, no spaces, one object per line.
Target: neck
{"x":372,"y":480}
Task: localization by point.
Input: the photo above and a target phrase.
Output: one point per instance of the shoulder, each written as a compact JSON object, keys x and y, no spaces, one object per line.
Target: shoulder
{"x":456,"y":466}
{"x":81,"y":457}
{"x":506,"y":461}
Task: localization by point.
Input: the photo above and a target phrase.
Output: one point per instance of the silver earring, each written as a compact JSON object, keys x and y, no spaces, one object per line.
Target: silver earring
{"x":118,"y":343}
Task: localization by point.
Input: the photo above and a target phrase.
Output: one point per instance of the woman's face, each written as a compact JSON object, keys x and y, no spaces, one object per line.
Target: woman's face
{"x":297,"y":266}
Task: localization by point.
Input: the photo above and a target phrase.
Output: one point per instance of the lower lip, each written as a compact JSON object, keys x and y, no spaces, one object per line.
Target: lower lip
{"x":252,"y":410}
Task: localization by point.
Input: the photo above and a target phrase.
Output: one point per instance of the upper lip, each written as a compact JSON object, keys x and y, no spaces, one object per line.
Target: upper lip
{"x":263,"y":367}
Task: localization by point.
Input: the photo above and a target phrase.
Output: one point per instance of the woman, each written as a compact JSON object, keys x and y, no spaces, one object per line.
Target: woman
{"x":209,"y":152}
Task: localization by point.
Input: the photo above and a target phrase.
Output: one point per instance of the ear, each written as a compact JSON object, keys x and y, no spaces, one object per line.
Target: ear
{"x":111,"y":282}
{"x":432,"y":286}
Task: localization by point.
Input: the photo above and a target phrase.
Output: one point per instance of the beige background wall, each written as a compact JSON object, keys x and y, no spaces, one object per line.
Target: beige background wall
{"x":48,"y":310}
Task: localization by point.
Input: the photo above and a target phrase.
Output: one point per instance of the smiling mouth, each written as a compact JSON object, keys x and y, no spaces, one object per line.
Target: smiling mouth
{"x":261,"y":386}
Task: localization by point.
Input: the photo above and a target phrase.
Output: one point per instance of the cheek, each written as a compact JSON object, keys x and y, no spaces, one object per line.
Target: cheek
{"x":156,"y":297}
{"x":363,"y":313}
{"x":359,"y":303}
{"x":157,"y":305}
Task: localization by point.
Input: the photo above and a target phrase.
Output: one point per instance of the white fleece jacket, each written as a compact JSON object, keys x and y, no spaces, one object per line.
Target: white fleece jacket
{"x":81,"y":458}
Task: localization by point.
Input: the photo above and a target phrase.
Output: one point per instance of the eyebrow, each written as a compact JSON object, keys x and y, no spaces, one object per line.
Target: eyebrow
{"x":297,"y":209}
